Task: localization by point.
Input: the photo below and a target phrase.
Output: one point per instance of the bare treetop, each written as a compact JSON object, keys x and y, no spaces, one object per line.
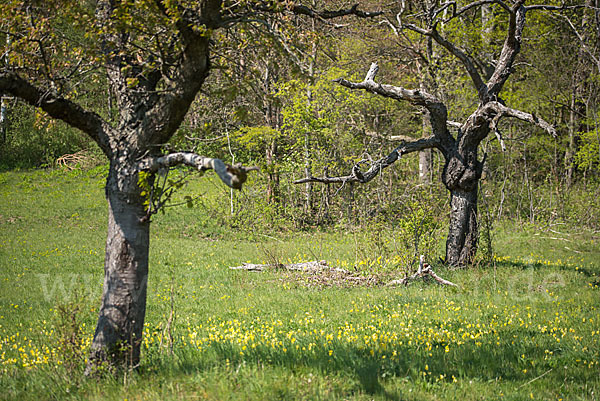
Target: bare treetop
{"x":463,"y":168}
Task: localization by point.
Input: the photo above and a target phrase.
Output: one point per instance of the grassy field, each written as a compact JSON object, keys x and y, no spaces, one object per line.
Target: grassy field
{"x":525,"y":327}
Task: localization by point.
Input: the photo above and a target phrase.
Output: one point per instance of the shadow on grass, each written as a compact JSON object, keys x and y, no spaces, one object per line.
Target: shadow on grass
{"x":368,"y":372}
{"x":535,"y":265}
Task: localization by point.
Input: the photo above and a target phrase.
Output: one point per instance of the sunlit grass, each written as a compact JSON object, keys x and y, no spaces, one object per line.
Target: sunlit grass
{"x":524,"y":327}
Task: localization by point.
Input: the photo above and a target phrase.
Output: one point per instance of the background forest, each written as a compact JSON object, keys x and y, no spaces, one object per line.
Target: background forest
{"x":270,"y":102}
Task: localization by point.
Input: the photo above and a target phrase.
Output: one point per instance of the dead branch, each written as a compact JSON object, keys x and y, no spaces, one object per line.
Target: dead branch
{"x":466,"y":8}
{"x":425,"y":271}
{"x":464,"y":58}
{"x":504,"y":111}
{"x":83,"y":158}
{"x":510,"y":49}
{"x":233,"y":176}
{"x":313,"y":266}
{"x":438,"y":113}
{"x":416,"y":97}
{"x":301,"y":9}
{"x":376,"y":167}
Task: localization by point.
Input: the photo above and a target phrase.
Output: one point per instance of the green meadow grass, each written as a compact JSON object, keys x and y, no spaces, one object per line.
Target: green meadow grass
{"x":525,"y":327}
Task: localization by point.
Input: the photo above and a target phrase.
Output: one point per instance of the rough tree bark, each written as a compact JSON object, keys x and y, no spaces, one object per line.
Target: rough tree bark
{"x":462,"y":169}
{"x":461,"y":244}
{"x":121,"y":318}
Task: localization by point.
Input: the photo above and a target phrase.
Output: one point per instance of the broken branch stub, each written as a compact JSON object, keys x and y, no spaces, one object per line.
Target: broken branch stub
{"x":425,"y":271}
{"x":233,"y":176}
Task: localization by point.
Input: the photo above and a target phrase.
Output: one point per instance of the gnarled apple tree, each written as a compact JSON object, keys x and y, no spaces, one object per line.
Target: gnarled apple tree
{"x":154,"y":56}
{"x":463,"y":167}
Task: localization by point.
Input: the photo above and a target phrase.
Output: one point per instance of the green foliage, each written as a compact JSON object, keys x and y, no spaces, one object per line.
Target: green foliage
{"x":420,"y":228}
{"x":158,"y":189}
{"x":34,"y":140}
{"x":145,"y":182}
{"x":256,"y":138}
{"x":588,"y":154}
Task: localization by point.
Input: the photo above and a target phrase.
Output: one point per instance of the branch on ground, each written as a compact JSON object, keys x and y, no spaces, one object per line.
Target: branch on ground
{"x":312,"y":266}
{"x":425,"y":271}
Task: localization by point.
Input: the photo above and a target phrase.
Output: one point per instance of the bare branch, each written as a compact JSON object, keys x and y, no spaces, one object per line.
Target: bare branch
{"x":429,"y":271}
{"x":504,"y":111}
{"x":547,"y":7}
{"x":494,"y":127}
{"x":466,"y":8}
{"x":583,"y":43}
{"x":403,"y":138}
{"x":466,"y":60}
{"x":377,"y":166}
{"x":443,"y":7}
{"x":438,"y":113}
{"x":392,"y":26}
{"x":312,"y":266}
{"x":193,"y":64}
{"x":416,"y":97}
{"x":244,"y":12}
{"x":512,"y":46}
{"x":233,"y":176}
{"x":373,"y":70}
{"x":280,"y":40}
{"x":58,"y":107}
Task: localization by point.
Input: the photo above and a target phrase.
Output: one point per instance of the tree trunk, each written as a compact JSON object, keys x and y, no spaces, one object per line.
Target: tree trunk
{"x":272,"y":174}
{"x":425,"y":156}
{"x":308,"y":201}
{"x":461,"y":244}
{"x":121,"y":319}
{"x":571,"y":147}
{"x":3,"y":118}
